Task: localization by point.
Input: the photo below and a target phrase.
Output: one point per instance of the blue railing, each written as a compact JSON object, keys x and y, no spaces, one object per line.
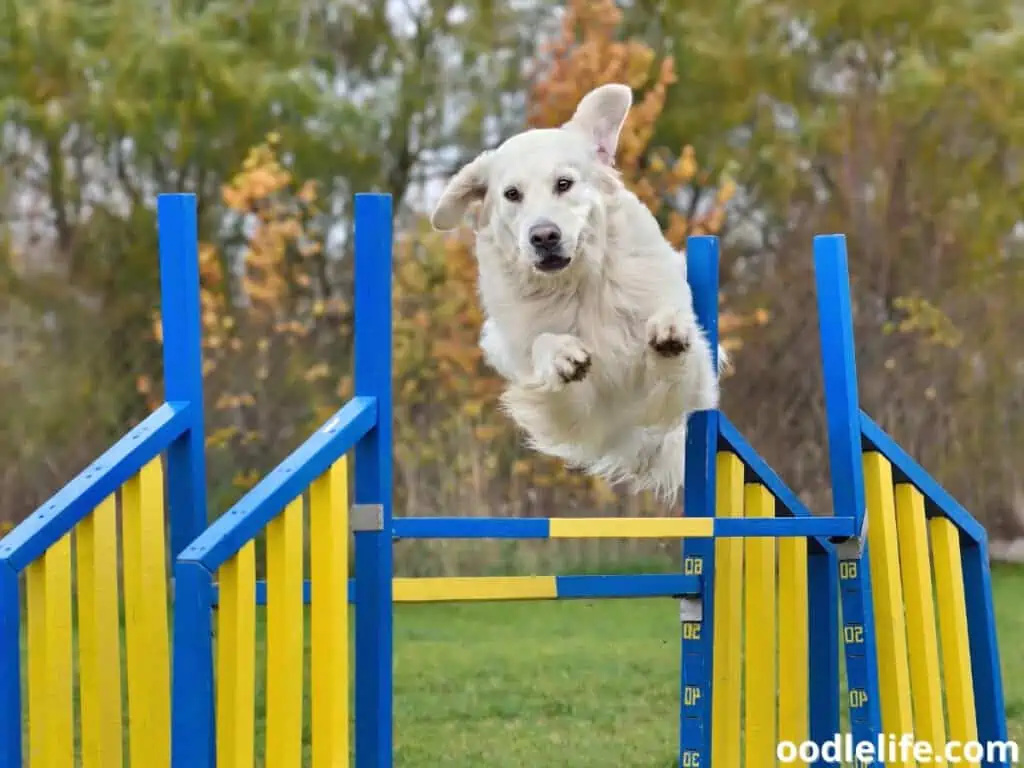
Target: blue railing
{"x":175,"y":427}
{"x":364,"y":424}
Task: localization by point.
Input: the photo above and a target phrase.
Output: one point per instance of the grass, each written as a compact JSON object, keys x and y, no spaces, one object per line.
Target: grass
{"x":568,"y":684}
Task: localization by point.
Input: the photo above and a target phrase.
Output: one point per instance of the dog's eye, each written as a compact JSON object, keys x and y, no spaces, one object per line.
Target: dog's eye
{"x":564,"y":184}
{"x":513,"y":195}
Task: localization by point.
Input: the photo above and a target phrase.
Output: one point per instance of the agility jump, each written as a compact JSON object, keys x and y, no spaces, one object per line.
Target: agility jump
{"x":760,"y":584}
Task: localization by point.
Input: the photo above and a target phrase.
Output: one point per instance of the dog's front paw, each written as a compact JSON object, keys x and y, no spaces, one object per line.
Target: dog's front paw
{"x":561,"y":359}
{"x":669,"y":333}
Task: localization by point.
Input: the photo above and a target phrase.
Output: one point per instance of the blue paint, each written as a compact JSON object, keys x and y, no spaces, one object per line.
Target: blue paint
{"x":733,"y":527}
{"x":240,"y":524}
{"x":699,"y":501}
{"x":183,"y":364}
{"x":470,"y":528}
{"x":192,"y":691}
{"x":823,"y":646}
{"x":56,"y":517}
{"x":10,"y":662}
{"x":846,"y":467}
{"x":938,"y":501}
{"x":986,"y":670}
{"x":635,"y":585}
{"x":374,"y":609}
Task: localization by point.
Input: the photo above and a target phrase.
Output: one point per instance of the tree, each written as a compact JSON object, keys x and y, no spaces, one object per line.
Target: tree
{"x":893,"y":122}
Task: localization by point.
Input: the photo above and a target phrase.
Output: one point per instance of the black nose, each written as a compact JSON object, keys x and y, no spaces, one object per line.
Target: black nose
{"x":545,"y":236}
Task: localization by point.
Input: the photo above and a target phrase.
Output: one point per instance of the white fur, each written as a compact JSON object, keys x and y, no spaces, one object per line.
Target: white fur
{"x":577,"y":346}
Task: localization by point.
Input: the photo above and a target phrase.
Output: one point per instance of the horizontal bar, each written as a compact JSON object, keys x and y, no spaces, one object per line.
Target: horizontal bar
{"x":817,"y":525}
{"x":905,"y":469}
{"x":618,"y":527}
{"x":125,"y":458}
{"x":447,"y":589}
{"x":229,"y":533}
{"x":550,"y":528}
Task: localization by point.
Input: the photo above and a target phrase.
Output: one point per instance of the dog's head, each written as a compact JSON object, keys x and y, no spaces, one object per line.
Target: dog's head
{"x":542,"y":192}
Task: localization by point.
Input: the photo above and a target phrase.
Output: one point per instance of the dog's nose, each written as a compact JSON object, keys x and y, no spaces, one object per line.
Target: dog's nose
{"x":545,"y":235}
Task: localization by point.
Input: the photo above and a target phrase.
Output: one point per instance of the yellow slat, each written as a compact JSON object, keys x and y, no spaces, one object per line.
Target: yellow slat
{"x":284,"y":638}
{"x":760,"y":637}
{"x":922,"y":639}
{"x":887,"y":595}
{"x":145,"y":604}
{"x":99,"y":639}
{"x":35,"y":589}
{"x":631,"y":527}
{"x":328,"y":534}
{"x":956,"y":653}
{"x":728,"y":624}
{"x":794,"y":628}
{"x":51,"y":707}
{"x":469,"y":588}
{"x":236,"y":660}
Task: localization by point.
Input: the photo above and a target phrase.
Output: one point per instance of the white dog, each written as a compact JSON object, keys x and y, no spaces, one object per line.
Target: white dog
{"x":589,"y":315}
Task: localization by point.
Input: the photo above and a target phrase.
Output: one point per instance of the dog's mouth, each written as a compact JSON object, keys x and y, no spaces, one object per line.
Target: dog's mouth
{"x":551,"y":262}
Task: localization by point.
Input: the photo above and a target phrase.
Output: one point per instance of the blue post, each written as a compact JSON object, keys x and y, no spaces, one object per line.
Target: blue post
{"x":839,"y":364}
{"x":192,"y":709}
{"x":823,"y":645}
{"x":981,"y":632}
{"x":183,"y":367}
{"x":835,"y":318}
{"x":699,"y":501}
{"x":373,"y":665}
{"x":10,"y":661}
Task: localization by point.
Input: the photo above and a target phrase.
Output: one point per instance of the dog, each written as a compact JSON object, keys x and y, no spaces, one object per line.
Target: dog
{"x":589,"y":318}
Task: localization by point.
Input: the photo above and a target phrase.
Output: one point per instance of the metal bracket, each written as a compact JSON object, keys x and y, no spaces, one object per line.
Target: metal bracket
{"x":853,"y":547}
{"x":367,"y":517}
{"x":691,"y":608}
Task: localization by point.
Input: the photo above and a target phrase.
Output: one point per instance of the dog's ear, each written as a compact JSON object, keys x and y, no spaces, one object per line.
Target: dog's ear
{"x":600,"y":115}
{"x":465,"y":187}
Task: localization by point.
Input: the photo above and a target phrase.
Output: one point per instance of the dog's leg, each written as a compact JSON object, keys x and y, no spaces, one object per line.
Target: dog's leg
{"x":682,"y":359}
{"x":670,"y":333}
{"x":558,"y":359}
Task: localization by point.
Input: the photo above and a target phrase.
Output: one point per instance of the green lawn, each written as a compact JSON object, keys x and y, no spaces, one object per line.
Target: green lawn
{"x":595,"y":684}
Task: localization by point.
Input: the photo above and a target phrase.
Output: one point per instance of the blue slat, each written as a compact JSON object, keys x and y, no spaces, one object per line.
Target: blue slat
{"x":470,"y":528}
{"x":628,"y":585}
{"x":823,"y":646}
{"x":732,"y":527}
{"x":230,"y":532}
{"x":183,"y":367}
{"x":905,"y":469}
{"x":374,"y":609}
{"x":50,"y":522}
{"x":699,"y":501}
{"x":192,"y":712}
{"x":10,"y":662}
{"x":981,"y":632}
{"x":835,"y":318}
